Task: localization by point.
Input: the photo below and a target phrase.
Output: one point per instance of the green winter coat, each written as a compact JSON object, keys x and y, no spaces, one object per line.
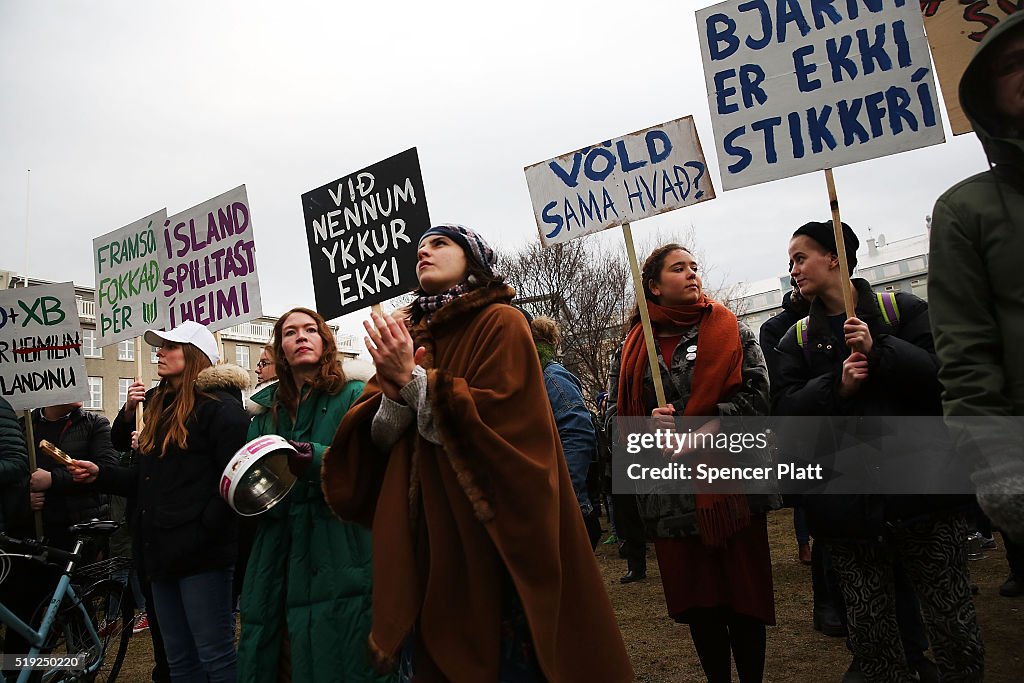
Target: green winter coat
{"x":976,"y":295}
{"x":307,"y":568}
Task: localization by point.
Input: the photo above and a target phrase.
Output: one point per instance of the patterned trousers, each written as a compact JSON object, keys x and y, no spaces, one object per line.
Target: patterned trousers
{"x":934,"y":556}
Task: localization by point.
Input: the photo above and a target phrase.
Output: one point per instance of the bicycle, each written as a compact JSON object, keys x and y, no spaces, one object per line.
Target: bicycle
{"x":88,"y":613}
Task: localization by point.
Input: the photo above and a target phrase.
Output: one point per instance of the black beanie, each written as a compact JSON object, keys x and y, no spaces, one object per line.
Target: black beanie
{"x":823,"y":234}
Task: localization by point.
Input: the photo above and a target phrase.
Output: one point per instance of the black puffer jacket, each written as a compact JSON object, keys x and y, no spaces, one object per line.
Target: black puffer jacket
{"x":13,"y":465}
{"x":84,"y":436}
{"x":902,"y":381}
{"x":775,"y":328}
{"x":181,"y":525}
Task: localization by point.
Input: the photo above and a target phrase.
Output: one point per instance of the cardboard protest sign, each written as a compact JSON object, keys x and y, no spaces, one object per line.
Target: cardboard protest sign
{"x":642,"y":174}
{"x":209,"y":264}
{"x":954,"y":31}
{"x":128,"y":268}
{"x":41,"y":360}
{"x":803,"y":85}
{"x":363,"y":230}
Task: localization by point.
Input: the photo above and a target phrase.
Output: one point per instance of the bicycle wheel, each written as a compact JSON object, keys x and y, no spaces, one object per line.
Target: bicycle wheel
{"x":111,"y":616}
{"x":109,"y":604}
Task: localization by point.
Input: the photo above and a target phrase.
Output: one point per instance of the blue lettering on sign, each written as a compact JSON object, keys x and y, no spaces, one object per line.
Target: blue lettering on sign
{"x":804,"y":70}
{"x":789,"y":12}
{"x":766,"y":24}
{"x":595,"y":155}
{"x":571,"y":178}
{"x":892,"y":111}
{"x":742,"y":154}
{"x":598,"y":163}
{"x":721,"y":28}
{"x":824,"y":8}
{"x":652,"y":138}
{"x":751,"y":78}
{"x":722,"y":92}
{"x":627,"y":165}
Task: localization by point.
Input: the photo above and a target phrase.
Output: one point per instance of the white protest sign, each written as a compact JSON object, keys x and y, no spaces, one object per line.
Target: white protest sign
{"x":619,"y":181}
{"x":41,"y":347}
{"x":803,"y":85}
{"x":209,"y":274}
{"x":128,"y":268}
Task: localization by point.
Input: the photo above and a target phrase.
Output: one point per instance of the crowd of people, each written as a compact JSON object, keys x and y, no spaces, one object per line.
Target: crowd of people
{"x":443,"y":519}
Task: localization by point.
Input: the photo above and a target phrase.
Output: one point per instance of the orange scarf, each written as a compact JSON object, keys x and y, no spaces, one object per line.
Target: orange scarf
{"x":717,"y":374}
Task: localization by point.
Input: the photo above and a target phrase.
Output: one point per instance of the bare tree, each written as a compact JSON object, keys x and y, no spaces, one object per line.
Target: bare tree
{"x":583,"y":287}
{"x":589,"y":290}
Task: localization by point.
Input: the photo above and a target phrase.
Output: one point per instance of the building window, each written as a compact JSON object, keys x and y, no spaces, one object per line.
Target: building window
{"x":919,"y":288}
{"x":892,"y":288}
{"x":916,"y":264}
{"x":152,"y":354}
{"x":242,"y":356}
{"x":95,"y":401}
{"x":89,"y":348}
{"x":891,"y":270}
{"x":122,"y":390}
{"x":126,"y":350}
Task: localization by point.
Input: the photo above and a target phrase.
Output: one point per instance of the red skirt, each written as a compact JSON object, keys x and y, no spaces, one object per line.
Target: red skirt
{"x":738,"y":576}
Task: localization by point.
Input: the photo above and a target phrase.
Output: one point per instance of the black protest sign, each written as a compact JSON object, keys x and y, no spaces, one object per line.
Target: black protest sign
{"x":363,"y":230}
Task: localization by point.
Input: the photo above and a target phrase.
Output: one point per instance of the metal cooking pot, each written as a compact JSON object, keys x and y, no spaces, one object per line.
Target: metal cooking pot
{"x":257,"y":478}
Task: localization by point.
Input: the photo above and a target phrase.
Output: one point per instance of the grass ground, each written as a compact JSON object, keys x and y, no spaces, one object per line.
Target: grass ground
{"x":662,"y":653}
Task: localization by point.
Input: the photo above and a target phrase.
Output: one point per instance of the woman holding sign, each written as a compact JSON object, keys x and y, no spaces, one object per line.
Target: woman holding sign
{"x":306,"y":597}
{"x":184,"y":532}
{"x":879,"y":363}
{"x":482,"y":566}
{"x":712,"y":548}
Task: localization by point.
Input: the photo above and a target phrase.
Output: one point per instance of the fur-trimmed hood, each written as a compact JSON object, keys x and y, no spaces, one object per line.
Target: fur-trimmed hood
{"x":355,"y":369}
{"x":224,"y":376}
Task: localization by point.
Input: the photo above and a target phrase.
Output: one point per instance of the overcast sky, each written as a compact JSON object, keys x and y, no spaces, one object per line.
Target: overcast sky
{"x":121,"y":108}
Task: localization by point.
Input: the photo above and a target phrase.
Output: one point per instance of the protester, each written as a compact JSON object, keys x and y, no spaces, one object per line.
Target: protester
{"x":482,"y":569}
{"x":266,"y":374}
{"x":828,"y":611}
{"x":82,"y":435}
{"x":266,"y":370}
{"x":977,"y":233}
{"x":575,"y":426}
{"x":306,"y":597}
{"x":185,"y":533}
{"x":712,"y":549}
{"x":13,"y":505}
{"x":873,"y":365}
{"x":13,"y":466}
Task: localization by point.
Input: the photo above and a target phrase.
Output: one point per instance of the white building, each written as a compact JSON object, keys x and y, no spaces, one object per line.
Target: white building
{"x":112,"y":369}
{"x":897,"y":266}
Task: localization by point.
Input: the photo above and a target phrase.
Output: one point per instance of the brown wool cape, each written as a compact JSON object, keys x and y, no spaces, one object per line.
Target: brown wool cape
{"x":449,"y":521}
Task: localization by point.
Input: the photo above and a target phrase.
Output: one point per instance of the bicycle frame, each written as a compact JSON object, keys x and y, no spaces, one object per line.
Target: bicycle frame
{"x":37,"y":639}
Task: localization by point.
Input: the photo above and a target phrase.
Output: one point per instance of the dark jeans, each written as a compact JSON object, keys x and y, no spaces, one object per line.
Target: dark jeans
{"x":196,"y":622}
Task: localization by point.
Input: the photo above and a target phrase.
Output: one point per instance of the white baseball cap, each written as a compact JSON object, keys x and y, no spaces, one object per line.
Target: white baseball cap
{"x":188,"y":332}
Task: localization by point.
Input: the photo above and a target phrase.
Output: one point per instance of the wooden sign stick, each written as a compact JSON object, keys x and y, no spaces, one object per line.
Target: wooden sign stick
{"x":645,"y":317}
{"x":138,"y":378}
{"x":30,"y":441}
{"x":220,"y":346}
{"x":837,"y":227}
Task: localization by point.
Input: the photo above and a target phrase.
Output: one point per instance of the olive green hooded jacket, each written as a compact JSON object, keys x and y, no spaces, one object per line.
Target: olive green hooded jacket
{"x":976,"y":298}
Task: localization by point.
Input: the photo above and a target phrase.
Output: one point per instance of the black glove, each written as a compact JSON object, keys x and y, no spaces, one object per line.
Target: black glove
{"x":300,"y":461}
